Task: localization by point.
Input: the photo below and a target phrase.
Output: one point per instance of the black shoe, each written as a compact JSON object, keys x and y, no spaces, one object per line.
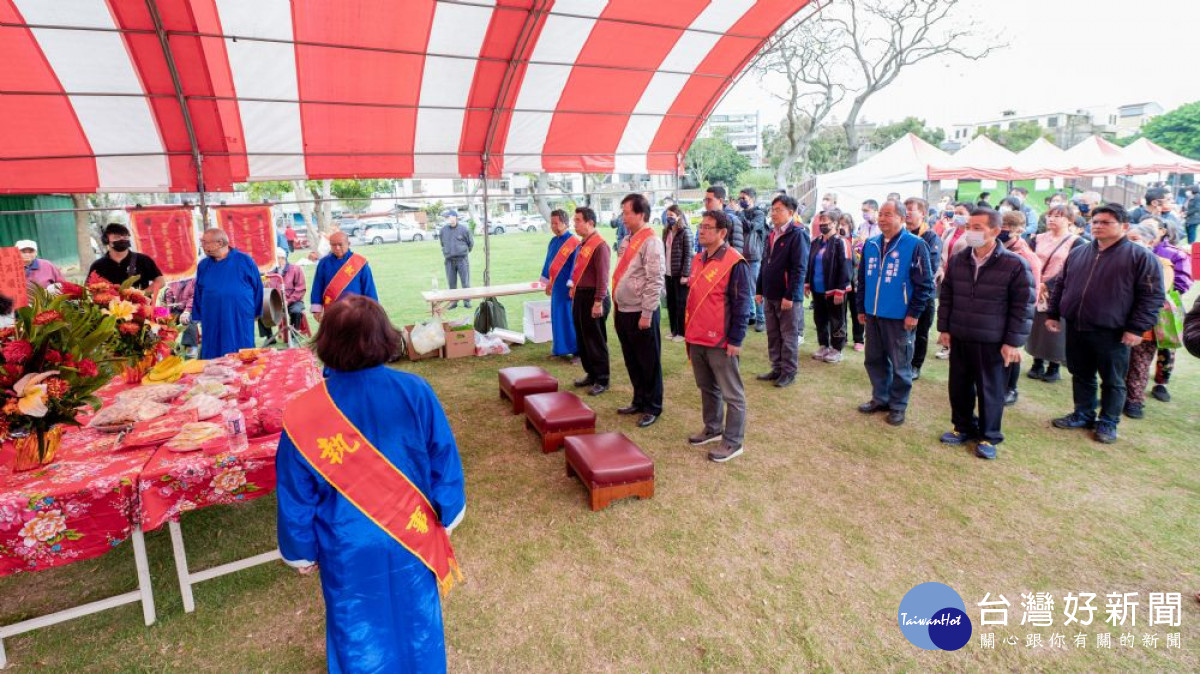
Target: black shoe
{"x":1134,"y":410}
{"x":453,"y":305}
{"x":871,"y":407}
{"x":597,"y":389}
{"x":1037,"y":371}
{"x":785,"y":380}
{"x":467,"y":304}
{"x":585,"y":382}
{"x":1011,"y":398}
{"x":647,"y":419}
{"x":1052,"y":374}
{"x":895,"y":417}
{"x":769,"y":376}
{"x":759,"y":326}
{"x":1161,"y":393}
{"x":1074,"y":420}
{"x":632,"y":409}
{"x":916,"y":373}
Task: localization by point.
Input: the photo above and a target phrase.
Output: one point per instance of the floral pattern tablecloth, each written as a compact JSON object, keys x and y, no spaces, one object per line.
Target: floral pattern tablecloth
{"x":87,"y":501}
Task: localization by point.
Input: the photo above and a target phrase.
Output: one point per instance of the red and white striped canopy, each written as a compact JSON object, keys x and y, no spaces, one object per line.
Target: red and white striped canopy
{"x":279,"y":89}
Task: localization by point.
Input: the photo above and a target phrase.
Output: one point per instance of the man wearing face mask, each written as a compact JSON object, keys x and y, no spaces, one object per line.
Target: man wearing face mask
{"x":915,"y":222}
{"x":870,"y":224}
{"x":228,"y":297}
{"x":754,"y":230}
{"x":120,"y":263}
{"x":895,"y":283}
{"x":985,"y":316}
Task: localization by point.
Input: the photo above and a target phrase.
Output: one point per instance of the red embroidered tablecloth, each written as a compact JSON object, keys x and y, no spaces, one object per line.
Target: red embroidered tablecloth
{"x":88,"y":500}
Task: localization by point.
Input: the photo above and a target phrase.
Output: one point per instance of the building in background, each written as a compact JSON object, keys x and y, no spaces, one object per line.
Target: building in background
{"x":1065,"y":127}
{"x":742,"y":130}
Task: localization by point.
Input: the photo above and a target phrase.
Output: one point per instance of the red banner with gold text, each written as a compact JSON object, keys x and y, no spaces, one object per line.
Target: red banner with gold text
{"x":251,"y":229}
{"x":167,"y":234}
{"x":12,"y":277}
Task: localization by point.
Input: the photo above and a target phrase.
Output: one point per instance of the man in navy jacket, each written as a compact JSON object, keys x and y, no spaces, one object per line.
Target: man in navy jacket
{"x":780,"y":287}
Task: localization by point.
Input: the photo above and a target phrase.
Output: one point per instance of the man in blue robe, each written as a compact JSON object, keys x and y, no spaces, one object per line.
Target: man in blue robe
{"x":363,"y":282}
{"x":382,"y":609}
{"x":228,"y":297}
{"x":560,"y":291}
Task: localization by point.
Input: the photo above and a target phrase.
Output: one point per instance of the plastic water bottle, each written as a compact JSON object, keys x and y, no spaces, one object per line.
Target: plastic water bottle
{"x":434,"y":283}
{"x":235,"y":421}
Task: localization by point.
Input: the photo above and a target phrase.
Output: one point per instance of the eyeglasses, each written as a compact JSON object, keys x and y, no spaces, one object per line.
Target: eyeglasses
{"x":1104,"y":222}
{"x":707,"y":228}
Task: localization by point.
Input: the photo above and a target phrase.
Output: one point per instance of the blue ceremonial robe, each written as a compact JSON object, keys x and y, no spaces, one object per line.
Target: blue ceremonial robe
{"x":560,"y":299}
{"x":363,"y":283}
{"x":382,"y":610}
{"x":227,"y":299}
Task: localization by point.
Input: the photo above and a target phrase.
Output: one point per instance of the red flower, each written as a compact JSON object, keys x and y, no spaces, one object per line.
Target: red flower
{"x":144,"y":312}
{"x":56,"y":387}
{"x":88,"y":368}
{"x":13,"y":371}
{"x":69,"y":360}
{"x":134,"y":295}
{"x":167,"y":334}
{"x":71,"y":291}
{"x":47,"y":317}
{"x":5,"y":333}
{"x":17,"y":351}
{"x":53,"y":357}
{"x":103,"y":297}
{"x":129,"y":328}
{"x":97,"y":282}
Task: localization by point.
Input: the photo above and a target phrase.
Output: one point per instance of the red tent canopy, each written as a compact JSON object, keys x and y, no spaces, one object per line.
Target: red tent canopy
{"x":127,"y":95}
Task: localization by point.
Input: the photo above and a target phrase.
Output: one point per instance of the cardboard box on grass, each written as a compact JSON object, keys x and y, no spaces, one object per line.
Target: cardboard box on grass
{"x":412,"y":354}
{"x":460,"y":340}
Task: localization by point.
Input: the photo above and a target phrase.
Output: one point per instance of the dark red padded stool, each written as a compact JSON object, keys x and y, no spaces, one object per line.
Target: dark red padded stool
{"x":518,"y":382}
{"x":610,"y":466}
{"x":556,"y":415}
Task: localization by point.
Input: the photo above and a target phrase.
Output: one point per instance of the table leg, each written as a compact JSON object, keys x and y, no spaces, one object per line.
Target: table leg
{"x":181,"y":567}
{"x":143,"y":574}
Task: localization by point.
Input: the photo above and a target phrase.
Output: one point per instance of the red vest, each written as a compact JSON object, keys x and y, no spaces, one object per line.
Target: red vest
{"x":704,"y":322}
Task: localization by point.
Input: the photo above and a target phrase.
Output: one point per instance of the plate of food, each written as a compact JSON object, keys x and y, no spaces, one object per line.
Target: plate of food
{"x":156,"y":432}
{"x":197,"y":436}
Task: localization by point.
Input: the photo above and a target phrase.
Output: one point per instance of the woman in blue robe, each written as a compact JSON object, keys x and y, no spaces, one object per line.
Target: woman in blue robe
{"x":382,"y":609}
{"x":560,"y":297}
{"x":228,"y":297}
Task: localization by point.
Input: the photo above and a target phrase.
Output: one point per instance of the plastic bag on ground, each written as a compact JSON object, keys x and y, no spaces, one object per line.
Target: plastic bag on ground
{"x":490,"y":345}
{"x":428,"y":337}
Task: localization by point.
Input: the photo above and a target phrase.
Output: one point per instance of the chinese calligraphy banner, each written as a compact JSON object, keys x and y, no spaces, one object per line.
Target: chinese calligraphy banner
{"x":166,"y":233}
{"x":251,"y":230}
{"x":12,"y":277}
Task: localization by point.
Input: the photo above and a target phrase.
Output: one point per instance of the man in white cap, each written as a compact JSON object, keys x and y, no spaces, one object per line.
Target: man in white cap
{"x":37,"y":270}
{"x":457,"y":243}
{"x":294,"y":288}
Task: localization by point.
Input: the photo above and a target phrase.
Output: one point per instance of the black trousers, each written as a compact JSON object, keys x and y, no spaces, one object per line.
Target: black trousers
{"x":1014,"y":376}
{"x":858,"y":330}
{"x":677,"y":296}
{"x":921,"y":344}
{"x":592,"y":334}
{"x":831,"y":321}
{"x":643,"y":359}
{"x":1092,"y":353}
{"x":978,"y":376}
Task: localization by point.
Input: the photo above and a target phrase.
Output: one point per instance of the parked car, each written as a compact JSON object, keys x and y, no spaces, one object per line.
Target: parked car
{"x":494,"y":227}
{"x":409,"y":231}
{"x":378,"y":230}
{"x":534,"y":223}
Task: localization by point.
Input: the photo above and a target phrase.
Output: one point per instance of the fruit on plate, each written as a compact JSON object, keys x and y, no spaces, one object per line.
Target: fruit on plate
{"x":167,"y":370}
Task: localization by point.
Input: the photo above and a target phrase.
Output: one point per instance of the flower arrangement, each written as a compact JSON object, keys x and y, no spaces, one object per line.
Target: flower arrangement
{"x":144,"y":332}
{"x":55,"y":357}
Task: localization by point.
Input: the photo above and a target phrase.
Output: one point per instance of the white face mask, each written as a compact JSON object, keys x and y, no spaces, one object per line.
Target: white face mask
{"x":1005,"y":209}
{"x":975,"y":239}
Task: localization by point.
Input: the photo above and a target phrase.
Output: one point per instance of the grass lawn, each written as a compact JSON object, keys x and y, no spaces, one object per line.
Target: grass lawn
{"x":793,"y":557}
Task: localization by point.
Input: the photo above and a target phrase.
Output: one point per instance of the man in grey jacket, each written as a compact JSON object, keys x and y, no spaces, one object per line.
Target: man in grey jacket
{"x":636,"y":287}
{"x":457,"y":243}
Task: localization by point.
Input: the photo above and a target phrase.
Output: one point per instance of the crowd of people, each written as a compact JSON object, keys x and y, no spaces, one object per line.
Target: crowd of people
{"x":1085,"y":284}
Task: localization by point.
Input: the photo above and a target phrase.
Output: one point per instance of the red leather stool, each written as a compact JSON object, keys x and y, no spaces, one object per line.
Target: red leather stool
{"x":610,"y":466}
{"x":518,"y":382}
{"x":556,"y":415}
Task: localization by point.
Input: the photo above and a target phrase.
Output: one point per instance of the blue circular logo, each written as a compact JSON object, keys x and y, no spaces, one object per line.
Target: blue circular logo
{"x":934,"y":617}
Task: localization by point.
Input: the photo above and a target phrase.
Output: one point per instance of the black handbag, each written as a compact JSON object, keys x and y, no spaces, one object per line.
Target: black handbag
{"x":490,"y":315}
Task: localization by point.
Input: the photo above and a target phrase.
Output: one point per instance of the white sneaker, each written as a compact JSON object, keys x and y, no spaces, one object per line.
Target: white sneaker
{"x":677,"y":338}
{"x":833,"y":356}
{"x":820,"y":353}
{"x":943,"y":353}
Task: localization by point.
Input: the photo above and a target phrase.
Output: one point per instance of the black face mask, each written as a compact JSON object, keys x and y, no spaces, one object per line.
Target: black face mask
{"x":120,"y":245}
{"x":824,"y":229}
{"x":670,"y":221}
{"x":1004,"y":236}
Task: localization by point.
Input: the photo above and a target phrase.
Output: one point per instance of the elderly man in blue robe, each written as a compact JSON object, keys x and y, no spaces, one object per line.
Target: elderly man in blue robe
{"x":228,"y":297}
{"x":341,"y":272}
{"x":556,"y":274}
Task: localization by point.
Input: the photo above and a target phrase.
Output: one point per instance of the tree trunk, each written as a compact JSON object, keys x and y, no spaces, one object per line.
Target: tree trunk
{"x":541,"y":186}
{"x":853,"y":143}
{"x":83,"y":233}
{"x":306,"y":211}
{"x":324,"y":206}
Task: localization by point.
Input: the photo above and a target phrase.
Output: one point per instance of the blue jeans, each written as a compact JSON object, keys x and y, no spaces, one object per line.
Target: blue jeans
{"x":889,"y":356}
{"x":758,"y":306}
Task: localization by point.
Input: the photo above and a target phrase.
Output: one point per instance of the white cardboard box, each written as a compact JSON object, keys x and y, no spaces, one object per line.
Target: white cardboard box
{"x":538,"y":327}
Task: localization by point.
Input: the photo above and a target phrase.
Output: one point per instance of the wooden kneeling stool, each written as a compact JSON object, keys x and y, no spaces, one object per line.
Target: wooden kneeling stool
{"x":518,"y":382}
{"x":557,"y":415}
{"x":610,"y":466}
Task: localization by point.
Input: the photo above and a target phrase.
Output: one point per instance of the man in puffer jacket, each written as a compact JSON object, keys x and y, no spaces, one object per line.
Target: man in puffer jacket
{"x":985,"y":316}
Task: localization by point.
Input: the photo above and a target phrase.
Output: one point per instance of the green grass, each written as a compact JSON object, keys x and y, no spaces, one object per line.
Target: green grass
{"x":793,"y":557}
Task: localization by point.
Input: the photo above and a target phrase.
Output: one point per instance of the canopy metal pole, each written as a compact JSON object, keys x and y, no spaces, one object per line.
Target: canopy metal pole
{"x":487,"y":242}
{"x":183,"y":108}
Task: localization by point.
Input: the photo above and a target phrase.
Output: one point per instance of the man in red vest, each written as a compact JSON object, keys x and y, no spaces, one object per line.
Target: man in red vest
{"x":718,"y":309}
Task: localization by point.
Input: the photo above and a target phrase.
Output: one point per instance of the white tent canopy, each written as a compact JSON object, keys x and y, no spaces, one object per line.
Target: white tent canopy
{"x":1145,"y":156}
{"x":981,"y":159}
{"x":1043,"y":159}
{"x":901,"y":167}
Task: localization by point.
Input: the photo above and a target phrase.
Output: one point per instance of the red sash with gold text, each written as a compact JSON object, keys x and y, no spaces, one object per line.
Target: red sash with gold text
{"x":342,"y":278}
{"x":635,"y":244}
{"x":361,"y":473}
{"x":560,"y":259}
{"x":704,"y":322}
{"x":584,"y":258}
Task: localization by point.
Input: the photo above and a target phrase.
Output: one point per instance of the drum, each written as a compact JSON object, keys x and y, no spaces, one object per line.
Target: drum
{"x":274,"y":309}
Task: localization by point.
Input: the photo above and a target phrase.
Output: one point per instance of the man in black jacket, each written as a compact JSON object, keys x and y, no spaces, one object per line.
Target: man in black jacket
{"x":985,"y":316}
{"x":915,"y":222}
{"x":754,"y":233}
{"x":1110,"y":293}
{"x":779,"y":287}
{"x":714,"y":200}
